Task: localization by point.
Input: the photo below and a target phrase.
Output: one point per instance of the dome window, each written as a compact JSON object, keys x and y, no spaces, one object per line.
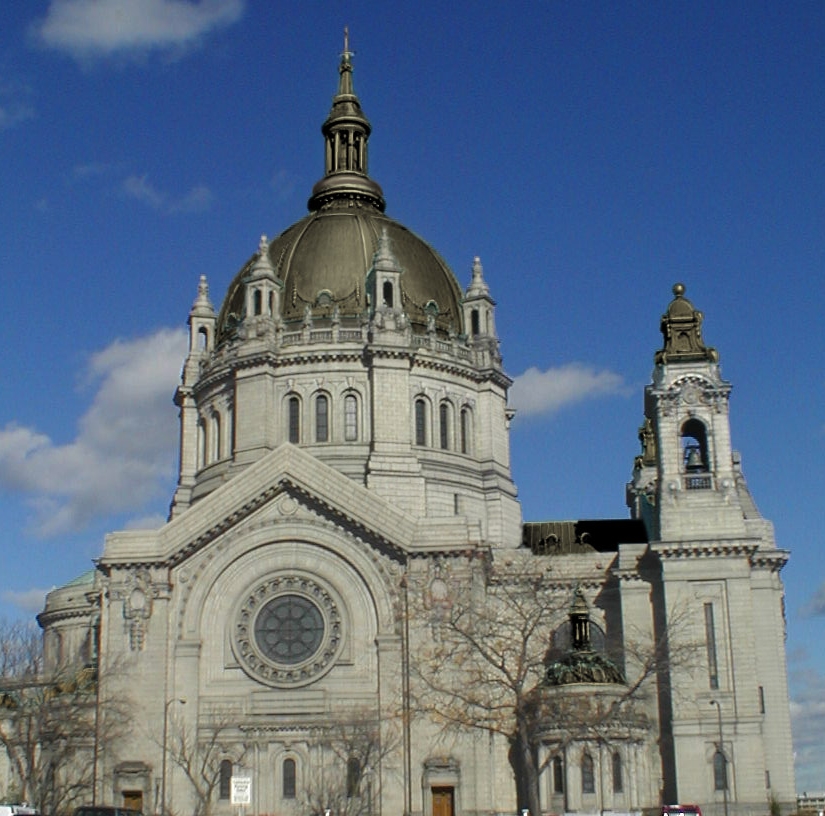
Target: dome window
{"x":420,"y":422}
{"x":466,"y":430}
{"x":475,"y":323}
{"x":322,"y":418}
{"x":350,"y":418}
{"x":258,"y":302}
{"x":294,"y":419}
{"x":444,"y":422}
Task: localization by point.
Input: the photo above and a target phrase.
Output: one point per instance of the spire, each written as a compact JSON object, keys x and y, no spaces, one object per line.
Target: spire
{"x":681,"y":328}
{"x":346,"y":132}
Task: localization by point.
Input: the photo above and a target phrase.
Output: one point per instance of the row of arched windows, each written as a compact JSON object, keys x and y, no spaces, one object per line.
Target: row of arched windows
{"x":451,"y":431}
{"x":289,"y":778}
{"x":323,"y":427}
{"x":588,"y":773}
{"x":213,"y":436}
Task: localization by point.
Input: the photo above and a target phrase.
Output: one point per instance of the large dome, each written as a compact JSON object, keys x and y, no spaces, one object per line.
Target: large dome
{"x":323,"y":261}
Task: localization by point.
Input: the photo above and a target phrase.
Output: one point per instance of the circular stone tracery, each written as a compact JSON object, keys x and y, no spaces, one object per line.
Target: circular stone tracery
{"x":287,"y":631}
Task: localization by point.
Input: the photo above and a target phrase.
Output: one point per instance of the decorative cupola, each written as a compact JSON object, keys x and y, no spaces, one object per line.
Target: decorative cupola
{"x":685,"y":482}
{"x":479,"y":307}
{"x":202,"y":320}
{"x":346,"y":133}
{"x":263,"y":288}
{"x":582,"y":663}
{"x":681,"y":327}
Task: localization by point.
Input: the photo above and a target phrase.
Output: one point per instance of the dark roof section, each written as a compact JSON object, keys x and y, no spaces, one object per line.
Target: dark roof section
{"x":584,"y":535}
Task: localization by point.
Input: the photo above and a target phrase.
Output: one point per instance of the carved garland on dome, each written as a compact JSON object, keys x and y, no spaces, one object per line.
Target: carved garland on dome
{"x":287,"y":631}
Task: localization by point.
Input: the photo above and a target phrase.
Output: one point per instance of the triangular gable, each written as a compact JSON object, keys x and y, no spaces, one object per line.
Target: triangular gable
{"x":287,"y":469}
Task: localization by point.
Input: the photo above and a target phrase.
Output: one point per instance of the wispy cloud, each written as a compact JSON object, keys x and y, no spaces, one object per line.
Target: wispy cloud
{"x":816,"y":606}
{"x":124,"y":450}
{"x":538,"y":392}
{"x":15,"y":104}
{"x":30,"y":601}
{"x":90,"y":28}
{"x":807,"y":725}
{"x":198,"y":199}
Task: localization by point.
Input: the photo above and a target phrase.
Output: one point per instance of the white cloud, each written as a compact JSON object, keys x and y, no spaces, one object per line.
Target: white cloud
{"x":807,"y":725}
{"x":199,"y":198}
{"x":87,"y":28}
{"x":543,"y":392}
{"x":125,"y":448}
{"x":30,"y":601}
{"x":816,"y":606}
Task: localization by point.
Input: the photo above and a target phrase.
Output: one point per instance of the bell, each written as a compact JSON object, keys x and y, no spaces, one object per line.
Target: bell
{"x":694,"y":459}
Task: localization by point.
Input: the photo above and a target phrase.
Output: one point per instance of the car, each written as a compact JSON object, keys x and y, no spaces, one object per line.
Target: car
{"x":18,"y":810}
{"x":104,"y":810}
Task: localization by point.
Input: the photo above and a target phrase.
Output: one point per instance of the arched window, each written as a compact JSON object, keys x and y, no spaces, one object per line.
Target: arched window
{"x":225,"y":779}
{"x":257,"y":302}
{"x":720,"y":771}
{"x":215,"y":438}
{"x":288,"y":779}
{"x":695,"y":447}
{"x":420,"y":422}
{"x":353,"y":776}
{"x":294,"y":420}
{"x":444,"y":425}
{"x":203,"y":338}
{"x":475,"y":323}
{"x":466,"y":430}
{"x":350,"y":418}
{"x":322,"y":418}
{"x":201,"y":443}
{"x":588,"y":774}
{"x":618,"y":784}
{"x":388,"y":293}
{"x":558,"y":775}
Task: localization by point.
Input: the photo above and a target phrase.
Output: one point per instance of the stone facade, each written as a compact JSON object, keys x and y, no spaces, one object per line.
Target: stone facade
{"x":345,"y":481}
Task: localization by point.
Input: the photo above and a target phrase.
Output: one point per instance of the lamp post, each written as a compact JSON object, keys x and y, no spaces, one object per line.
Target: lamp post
{"x":722,"y":755}
{"x":163,"y":760}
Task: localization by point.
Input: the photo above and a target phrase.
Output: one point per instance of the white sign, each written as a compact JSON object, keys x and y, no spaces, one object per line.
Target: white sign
{"x":241,"y":790}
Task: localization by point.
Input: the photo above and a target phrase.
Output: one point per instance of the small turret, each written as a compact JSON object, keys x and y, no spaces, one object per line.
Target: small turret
{"x":263,"y":288}
{"x":479,"y":307}
{"x":202,"y":320}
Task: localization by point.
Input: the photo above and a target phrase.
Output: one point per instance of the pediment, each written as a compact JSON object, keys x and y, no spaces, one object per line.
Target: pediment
{"x":286,"y":475}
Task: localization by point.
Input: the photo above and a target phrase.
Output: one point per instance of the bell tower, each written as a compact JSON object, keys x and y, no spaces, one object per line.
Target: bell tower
{"x":687,"y":483}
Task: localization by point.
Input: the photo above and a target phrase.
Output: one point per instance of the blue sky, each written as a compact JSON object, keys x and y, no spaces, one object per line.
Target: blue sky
{"x":593,"y":154}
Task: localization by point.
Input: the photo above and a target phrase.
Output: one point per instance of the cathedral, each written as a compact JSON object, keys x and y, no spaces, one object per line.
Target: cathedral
{"x":316,"y":626}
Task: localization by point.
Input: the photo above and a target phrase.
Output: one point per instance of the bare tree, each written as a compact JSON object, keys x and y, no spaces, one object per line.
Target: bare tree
{"x":52,"y":724}
{"x":351,"y":750}
{"x":200,"y":750}
{"x":486,"y":664}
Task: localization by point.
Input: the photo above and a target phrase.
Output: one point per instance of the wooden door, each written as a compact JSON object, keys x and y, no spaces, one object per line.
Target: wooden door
{"x":443,"y":802}
{"x":133,"y":799}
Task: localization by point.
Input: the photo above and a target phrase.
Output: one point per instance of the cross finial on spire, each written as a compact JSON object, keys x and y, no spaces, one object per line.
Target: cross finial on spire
{"x":345,"y":56}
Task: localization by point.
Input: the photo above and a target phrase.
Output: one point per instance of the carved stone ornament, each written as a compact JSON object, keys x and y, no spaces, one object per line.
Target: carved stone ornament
{"x":287,"y":631}
{"x":137,"y":608}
